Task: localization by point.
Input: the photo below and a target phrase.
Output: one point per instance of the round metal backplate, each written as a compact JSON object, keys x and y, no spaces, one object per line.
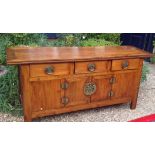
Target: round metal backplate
{"x":91,"y":67}
{"x":49,"y":70}
{"x":125,"y":64}
{"x":89,"y":88}
{"x":65,"y":85}
{"x":65,"y":100}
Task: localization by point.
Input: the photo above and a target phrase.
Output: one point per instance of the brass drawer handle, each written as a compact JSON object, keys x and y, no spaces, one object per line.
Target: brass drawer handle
{"x":64,"y":100}
{"x":91,"y":67}
{"x":49,"y":70}
{"x":125,"y":64}
{"x":89,"y":88}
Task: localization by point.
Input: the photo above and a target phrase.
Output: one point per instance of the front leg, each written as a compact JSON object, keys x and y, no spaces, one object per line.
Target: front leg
{"x":133,"y":103}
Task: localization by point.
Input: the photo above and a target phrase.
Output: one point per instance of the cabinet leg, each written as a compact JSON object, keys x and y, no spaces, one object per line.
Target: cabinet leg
{"x":133,"y":104}
{"x":27,"y":119}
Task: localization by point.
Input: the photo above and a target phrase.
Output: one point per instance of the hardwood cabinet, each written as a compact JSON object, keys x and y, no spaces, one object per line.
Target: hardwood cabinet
{"x":65,"y":79}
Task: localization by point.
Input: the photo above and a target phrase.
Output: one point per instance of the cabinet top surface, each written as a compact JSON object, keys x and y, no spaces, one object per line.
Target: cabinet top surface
{"x":29,"y":55}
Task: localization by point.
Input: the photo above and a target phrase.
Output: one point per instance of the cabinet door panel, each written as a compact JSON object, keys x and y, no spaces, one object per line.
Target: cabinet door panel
{"x":125,"y":84}
{"x":46,"y":95}
{"x":75,"y":91}
{"x":103,"y":87}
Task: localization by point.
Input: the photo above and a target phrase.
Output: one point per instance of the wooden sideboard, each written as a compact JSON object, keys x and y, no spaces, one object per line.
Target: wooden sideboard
{"x":56,"y":80}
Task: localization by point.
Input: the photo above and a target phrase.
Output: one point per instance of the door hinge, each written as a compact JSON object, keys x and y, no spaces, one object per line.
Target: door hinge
{"x":111,"y":94}
{"x":112,"y":80}
{"x":64,"y":85}
{"x":64,"y":100}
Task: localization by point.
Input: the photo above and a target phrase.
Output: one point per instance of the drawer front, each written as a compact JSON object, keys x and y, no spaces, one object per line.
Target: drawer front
{"x":92,"y":67}
{"x":38,"y":70}
{"x":125,"y":64}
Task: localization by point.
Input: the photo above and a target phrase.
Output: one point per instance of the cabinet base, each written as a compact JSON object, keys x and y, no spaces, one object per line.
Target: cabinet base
{"x":76,"y":108}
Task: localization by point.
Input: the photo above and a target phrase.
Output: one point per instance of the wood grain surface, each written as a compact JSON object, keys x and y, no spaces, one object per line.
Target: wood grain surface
{"x":27,"y":55}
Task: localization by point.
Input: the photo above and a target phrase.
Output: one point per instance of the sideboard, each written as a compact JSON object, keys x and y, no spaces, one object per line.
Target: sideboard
{"x":56,"y":80}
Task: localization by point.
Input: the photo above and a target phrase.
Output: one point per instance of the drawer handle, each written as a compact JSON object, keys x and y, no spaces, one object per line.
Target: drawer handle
{"x":89,"y":88}
{"x":49,"y":70}
{"x":125,"y":64}
{"x":91,"y":67}
{"x":64,"y":100}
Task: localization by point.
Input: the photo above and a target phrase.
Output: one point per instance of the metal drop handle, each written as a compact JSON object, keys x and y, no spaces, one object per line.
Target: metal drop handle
{"x":65,"y":85}
{"x":65,"y":100}
{"x":112,"y":80}
{"x":91,"y":67}
{"x":125,"y":64}
{"x":49,"y":70}
{"x":111,"y":94}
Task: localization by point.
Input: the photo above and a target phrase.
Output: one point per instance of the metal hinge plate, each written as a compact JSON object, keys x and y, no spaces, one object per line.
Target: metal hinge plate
{"x":112,"y":80}
{"x":111,"y":94}
{"x":64,"y":85}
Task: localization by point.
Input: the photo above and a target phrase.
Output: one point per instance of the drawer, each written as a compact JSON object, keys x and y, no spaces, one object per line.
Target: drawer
{"x":125,"y":64}
{"x":38,"y":70}
{"x":92,"y":67}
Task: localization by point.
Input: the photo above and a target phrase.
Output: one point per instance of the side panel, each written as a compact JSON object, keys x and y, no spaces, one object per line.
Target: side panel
{"x":26,"y":92}
{"x":137,"y":83}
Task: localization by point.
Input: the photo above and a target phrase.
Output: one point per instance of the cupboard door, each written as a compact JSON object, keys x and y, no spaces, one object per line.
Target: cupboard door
{"x":75,"y":91}
{"x":125,"y":85}
{"x":45,"y":95}
{"x":103,"y":88}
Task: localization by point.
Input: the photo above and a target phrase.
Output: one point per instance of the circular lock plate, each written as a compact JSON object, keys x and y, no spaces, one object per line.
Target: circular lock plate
{"x":89,"y":88}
